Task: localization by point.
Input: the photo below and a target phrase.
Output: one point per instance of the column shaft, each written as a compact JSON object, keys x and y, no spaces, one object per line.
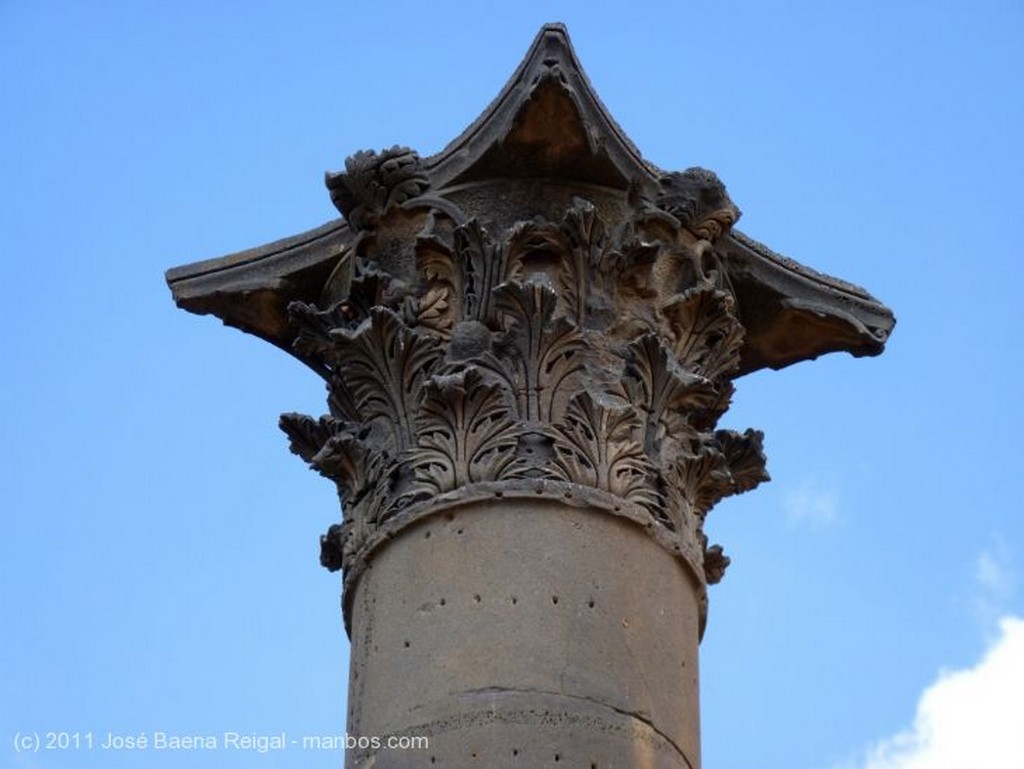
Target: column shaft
{"x":526,"y":632}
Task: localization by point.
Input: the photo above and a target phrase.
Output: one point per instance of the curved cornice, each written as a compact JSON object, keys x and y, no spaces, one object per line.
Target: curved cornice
{"x":547,"y":124}
{"x":547,"y":109}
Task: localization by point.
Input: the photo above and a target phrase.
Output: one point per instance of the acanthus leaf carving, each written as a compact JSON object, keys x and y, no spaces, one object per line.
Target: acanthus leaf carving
{"x":745,"y":457}
{"x":384,"y":364}
{"x":438,"y":309}
{"x":715,"y":564}
{"x":339,"y":400}
{"x":598,"y":444}
{"x":727,"y":463}
{"x":372,"y":183}
{"x":669,"y":395}
{"x":466,"y":431}
{"x":306,"y":436}
{"x":368,"y":290}
{"x":354,"y":464}
{"x":581,"y":278}
{"x":461,"y":276}
{"x":338,"y":452}
{"x":484,"y":266}
{"x":434,"y":310}
{"x":630,"y":269}
{"x":706,"y":335}
{"x":532,"y":241}
{"x":334,"y":546}
{"x":703,"y":479}
{"x":544,"y":353}
{"x":313,"y":329}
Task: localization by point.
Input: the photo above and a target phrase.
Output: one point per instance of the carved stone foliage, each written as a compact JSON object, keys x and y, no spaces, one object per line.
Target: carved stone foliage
{"x":697,"y":198}
{"x":551,"y":356}
{"x":372,"y":183}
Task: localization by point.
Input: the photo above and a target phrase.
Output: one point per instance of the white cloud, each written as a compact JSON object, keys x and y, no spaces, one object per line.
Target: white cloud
{"x":992,"y":574}
{"x":967,"y":719}
{"x":993,"y":581}
{"x":812,"y":503}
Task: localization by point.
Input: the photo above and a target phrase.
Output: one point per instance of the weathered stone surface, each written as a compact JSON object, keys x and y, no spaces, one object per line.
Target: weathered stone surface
{"x":528,"y":342}
{"x":559,"y":353}
{"x":511,"y":631}
{"x":545,"y":136}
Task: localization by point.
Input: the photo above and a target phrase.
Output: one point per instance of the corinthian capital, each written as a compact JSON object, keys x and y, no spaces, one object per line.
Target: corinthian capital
{"x":536,"y":311}
{"x":574,"y":356}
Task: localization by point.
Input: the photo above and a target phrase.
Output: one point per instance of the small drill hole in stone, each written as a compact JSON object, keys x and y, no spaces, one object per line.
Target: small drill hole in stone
{"x":515,"y":752}
{"x":554,"y":599}
{"x":514,"y":600}
{"x":443,"y":601}
{"x":406,"y":644}
{"x":459,"y":531}
{"x":557,"y":757}
{"x":476,"y":599}
{"x":427,"y":535}
{"x":590,"y":603}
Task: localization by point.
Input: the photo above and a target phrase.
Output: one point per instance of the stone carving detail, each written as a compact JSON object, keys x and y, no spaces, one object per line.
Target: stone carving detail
{"x":560,"y":357}
{"x":599,"y":446}
{"x":467,"y":432}
{"x":697,"y":198}
{"x":373,"y":183}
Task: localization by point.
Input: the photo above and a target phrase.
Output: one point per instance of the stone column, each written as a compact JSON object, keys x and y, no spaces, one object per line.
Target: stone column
{"x":526,"y":631}
{"x":522,"y":428}
{"x":528,"y":342}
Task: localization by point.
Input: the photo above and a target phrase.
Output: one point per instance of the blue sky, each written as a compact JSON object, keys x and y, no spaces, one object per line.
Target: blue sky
{"x":160,"y":552}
